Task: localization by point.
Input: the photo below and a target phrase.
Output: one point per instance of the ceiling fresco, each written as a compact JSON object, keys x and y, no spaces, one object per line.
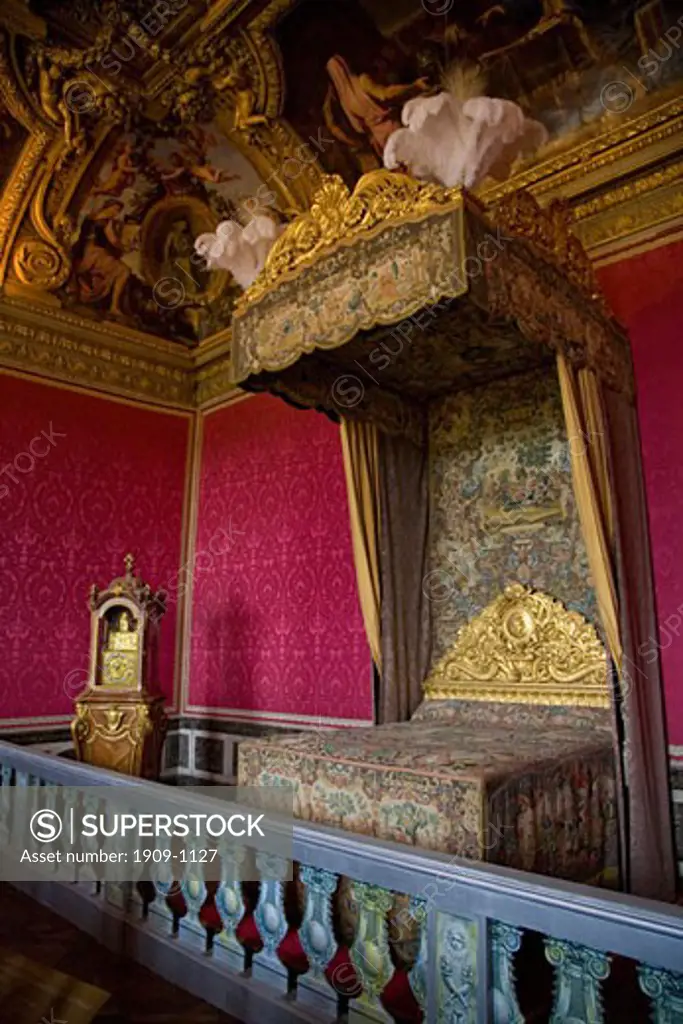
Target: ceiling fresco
{"x":128,"y":128}
{"x":575,"y":67}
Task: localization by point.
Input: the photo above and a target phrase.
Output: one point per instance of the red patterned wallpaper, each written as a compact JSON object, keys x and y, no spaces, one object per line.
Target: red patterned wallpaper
{"x":82,"y":481}
{"x":276,"y":623}
{"x":646,"y":293}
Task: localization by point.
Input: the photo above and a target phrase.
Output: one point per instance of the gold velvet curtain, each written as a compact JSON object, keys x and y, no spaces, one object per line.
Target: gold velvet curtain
{"x":587,"y":436}
{"x":387,"y":486}
{"x":361,"y":466}
{"x":604,"y":443}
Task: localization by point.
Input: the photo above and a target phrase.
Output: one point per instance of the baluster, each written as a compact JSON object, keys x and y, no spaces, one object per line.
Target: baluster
{"x":209,"y":918}
{"x":192,"y":885}
{"x":457,"y":970}
{"x":665,"y":989}
{"x":169,"y":885}
{"x":317,"y":932}
{"x":86,"y":872}
{"x":579,"y":971}
{"x":407,"y":942}
{"x":6,"y":804}
{"x":506,"y":940}
{"x":418,"y":972}
{"x":247,"y":932}
{"x":290,"y":951}
{"x":229,"y":896}
{"x":340,"y":972}
{"x":270,"y":914}
{"x":370,"y":951}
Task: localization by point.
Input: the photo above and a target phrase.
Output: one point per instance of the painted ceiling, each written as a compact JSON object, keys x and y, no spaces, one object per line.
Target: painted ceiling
{"x":128,"y":127}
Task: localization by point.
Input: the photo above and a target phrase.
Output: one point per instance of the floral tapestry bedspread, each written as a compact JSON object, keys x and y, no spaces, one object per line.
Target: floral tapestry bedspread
{"x":531,"y":788}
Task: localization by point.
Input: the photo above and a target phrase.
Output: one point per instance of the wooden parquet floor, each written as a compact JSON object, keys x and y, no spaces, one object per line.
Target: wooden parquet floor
{"x":137,"y":995}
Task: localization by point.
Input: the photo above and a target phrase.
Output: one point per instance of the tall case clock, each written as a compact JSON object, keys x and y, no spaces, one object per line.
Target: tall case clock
{"x":120,"y":721}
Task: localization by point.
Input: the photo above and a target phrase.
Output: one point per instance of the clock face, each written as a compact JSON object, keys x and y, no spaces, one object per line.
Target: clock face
{"x":118,"y":668}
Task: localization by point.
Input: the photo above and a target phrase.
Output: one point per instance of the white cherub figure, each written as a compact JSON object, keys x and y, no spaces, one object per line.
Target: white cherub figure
{"x":458,"y":139}
{"x":241,"y":250}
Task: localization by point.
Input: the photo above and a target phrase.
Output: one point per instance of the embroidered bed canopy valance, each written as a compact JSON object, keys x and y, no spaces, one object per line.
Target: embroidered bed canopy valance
{"x":377,"y":300}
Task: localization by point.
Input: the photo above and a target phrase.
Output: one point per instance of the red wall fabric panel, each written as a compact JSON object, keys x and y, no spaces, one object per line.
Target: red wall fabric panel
{"x":276,"y":623}
{"x":83,"y":480}
{"x":646,"y":293}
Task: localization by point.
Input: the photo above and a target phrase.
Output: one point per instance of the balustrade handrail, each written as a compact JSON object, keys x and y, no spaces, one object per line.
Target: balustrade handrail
{"x":613,"y":922}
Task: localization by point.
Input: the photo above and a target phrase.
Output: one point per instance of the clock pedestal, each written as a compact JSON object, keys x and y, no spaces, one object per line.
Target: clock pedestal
{"x":120,"y":722}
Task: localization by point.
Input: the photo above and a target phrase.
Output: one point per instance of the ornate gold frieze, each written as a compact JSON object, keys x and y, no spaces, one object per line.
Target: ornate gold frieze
{"x":525,"y":647}
{"x":107,"y":366}
{"x":214,"y":382}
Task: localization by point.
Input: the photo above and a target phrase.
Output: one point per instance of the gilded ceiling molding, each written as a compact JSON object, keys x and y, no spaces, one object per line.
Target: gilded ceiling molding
{"x":16,"y":196}
{"x":214,"y":382}
{"x":622,"y":143}
{"x":639,"y":210}
{"x":60,"y":347}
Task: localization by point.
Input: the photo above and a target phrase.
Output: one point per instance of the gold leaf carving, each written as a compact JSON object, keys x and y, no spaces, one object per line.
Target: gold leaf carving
{"x":525,"y":647}
{"x":338,"y":217}
{"x":41,"y":265}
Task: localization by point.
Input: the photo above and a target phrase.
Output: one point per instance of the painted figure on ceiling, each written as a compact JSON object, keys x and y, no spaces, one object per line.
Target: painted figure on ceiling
{"x":371,"y":109}
{"x":100,"y":274}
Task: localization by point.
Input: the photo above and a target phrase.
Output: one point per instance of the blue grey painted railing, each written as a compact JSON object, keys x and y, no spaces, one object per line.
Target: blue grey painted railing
{"x":467,"y":921}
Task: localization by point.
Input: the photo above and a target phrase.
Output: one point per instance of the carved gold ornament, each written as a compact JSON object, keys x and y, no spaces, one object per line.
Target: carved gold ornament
{"x":550,"y":231}
{"x":526,"y":648}
{"x":41,"y":265}
{"x":338,"y":217}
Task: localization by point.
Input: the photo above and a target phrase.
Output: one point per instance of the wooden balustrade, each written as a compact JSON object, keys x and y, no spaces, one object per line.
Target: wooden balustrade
{"x":375,"y":929}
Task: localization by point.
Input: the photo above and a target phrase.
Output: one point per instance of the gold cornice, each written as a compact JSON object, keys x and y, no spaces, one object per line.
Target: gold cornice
{"x":214,"y":382}
{"x":51,"y":345}
{"x":609,"y":152}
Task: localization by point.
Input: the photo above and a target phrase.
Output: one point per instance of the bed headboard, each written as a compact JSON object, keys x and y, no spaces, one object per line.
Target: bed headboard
{"x":524,"y":648}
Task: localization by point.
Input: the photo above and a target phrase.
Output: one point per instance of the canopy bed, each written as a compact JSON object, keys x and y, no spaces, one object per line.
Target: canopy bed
{"x":403,"y":310}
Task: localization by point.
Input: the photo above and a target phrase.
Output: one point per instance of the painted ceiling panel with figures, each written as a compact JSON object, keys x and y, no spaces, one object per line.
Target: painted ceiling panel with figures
{"x":127,"y":128}
{"x":350,"y":65}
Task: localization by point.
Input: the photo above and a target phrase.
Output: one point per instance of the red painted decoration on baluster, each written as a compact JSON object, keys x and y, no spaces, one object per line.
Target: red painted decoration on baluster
{"x":342,"y":975}
{"x":291,"y":952}
{"x":209,"y":917}
{"x":398,"y":1000}
{"x":247,"y":933}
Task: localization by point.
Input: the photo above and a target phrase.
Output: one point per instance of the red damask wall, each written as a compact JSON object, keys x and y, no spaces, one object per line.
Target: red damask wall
{"x":646,"y":293}
{"x":276,"y":627}
{"x":83,"y":480}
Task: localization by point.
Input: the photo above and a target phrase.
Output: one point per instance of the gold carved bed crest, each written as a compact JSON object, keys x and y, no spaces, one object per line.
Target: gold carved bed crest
{"x":525,"y":647}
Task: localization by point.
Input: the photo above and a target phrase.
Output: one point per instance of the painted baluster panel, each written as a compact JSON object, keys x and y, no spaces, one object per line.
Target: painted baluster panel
{"x":579,"y":972}
{"x":191,"y":874}
{"x":418,"y":972}
{"x":665,"y":989}
{"x":229,"y":895}
{"x":456,"y":986}
{"x":505,"y":941}
{"x":316,"y":932}
{"x":270,"y":913}
{"x":370,"y":951}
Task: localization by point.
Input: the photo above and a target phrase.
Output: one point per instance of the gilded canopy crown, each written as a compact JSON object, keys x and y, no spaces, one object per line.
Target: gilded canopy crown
{"x":337,"y":217}
{"x":525,"y":647}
